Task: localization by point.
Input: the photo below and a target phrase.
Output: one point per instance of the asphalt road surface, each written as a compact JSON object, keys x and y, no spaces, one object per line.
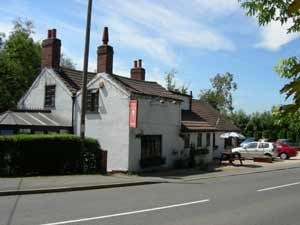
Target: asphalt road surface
{"x":271,"y":198}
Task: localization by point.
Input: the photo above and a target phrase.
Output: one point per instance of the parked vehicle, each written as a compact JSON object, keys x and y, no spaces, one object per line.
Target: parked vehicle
{"x":247,"y":140}
{"x":256,"y":149}
{"x":285,"y":151}
{"x":286,"y":142}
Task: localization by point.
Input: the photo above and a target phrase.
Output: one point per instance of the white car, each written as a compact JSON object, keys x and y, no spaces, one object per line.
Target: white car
{"x":256,"y":149}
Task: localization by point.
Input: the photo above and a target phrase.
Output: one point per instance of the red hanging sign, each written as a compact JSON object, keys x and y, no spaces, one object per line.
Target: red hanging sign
{"x":133,"y":107}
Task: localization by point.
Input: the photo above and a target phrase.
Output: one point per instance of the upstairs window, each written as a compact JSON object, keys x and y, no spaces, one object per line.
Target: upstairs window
{"x":92,"y":100}
{"x":50,"y":96}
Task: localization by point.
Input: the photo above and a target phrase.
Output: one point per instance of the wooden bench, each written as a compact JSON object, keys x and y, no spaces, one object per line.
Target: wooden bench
{"x":230,"y":157}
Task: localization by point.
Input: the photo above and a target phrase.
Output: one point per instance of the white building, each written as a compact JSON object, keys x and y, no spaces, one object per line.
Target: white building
{"x":140,"y":123}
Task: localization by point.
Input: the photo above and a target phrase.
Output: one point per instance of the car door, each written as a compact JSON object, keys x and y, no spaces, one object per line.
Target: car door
{"x":261,"y":149}
{"x":251,"y":150}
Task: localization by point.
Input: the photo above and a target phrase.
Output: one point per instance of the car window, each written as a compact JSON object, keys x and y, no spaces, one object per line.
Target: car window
{"x":263,"y":145}
{"x":252,"y":145}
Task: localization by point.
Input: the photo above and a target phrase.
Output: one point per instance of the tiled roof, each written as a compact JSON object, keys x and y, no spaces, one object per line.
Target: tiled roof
{"x":146,"y":87}
{"x":191,"y":121}
{"x":32,"y":118}
{"x":212,"y":116}
{"x":73,"y":81}
{"x":73,"y":78}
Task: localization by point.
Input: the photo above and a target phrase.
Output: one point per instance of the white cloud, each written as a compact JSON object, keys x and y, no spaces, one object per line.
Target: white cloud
{"x":157,"y":28}
{"x":274,"y":35}
{"x":216,"y":7}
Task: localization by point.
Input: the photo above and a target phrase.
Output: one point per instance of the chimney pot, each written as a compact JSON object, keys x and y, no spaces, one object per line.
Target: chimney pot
{"x":53,"y":33}
{"x":49,"y":33}
{"x":105,"y":38}
{"x":137,"y":72}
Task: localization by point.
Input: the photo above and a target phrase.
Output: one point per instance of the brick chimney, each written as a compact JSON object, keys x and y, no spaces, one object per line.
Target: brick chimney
{"x":137,"y":72}
{"x":51,"y":51}
{"x":105,"y":55}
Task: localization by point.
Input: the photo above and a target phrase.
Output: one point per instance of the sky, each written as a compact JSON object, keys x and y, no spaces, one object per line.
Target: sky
{"x":197,"y":38}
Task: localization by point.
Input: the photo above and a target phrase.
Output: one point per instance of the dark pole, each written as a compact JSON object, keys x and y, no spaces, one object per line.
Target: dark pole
{"x":85,"y":69}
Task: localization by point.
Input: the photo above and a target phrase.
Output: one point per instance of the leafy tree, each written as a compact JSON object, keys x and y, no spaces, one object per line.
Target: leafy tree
{"x":282,"y":11}
{"x":220,"y":95}
{"x":67,"y":62}
{"x":20,"y":60}
{"x":171,"y":83}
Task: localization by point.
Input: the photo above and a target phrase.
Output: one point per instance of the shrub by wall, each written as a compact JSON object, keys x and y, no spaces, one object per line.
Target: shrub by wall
{"x":22,"y":155}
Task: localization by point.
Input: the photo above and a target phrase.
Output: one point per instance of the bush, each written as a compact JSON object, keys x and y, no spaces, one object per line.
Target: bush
{"x":22,"y":155}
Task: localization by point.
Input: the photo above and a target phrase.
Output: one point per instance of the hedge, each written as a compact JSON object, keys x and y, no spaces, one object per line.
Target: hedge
{"x":22,"y":155}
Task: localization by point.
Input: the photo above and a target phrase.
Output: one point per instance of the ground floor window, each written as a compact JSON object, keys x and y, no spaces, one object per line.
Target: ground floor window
{"x":186,"y":141}
{"x":199,"y":140}
{"x":151,"y":150}
{"x":208,"y":139}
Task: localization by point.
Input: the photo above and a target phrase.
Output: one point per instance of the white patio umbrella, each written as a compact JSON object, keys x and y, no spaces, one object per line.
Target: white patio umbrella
{"x":232,"y":135}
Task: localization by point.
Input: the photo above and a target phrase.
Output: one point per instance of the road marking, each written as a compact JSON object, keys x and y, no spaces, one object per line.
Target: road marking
{"x":128,"y":213}
{"x":277,"y":187}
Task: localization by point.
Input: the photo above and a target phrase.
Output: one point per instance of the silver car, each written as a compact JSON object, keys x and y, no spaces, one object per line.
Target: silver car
{"x":257,"y":149}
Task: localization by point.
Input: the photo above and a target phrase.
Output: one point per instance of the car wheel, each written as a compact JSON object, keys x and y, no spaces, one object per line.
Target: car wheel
{"x":284,"y":156}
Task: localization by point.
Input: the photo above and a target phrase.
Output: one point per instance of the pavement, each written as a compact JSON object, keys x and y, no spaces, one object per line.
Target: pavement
{"x":49,"y":184}
{"x":270,"y":198}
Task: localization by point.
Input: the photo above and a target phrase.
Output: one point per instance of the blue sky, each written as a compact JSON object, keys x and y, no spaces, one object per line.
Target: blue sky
{"x":197,"y":38}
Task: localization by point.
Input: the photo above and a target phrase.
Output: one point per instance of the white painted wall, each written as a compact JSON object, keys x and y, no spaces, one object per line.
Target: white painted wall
{"x":185,"y":104}
{"x":155,"y":118}
{"x":110,"y":125}
{"x":220,"y":143}
{"x":35,"y":96}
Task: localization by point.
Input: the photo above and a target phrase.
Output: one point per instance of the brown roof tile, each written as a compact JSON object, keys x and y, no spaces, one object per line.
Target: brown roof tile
{"x":191,"y":121}
{"x":73,"y":80}
{"x":212,"y":116}
{"x":146,"y":87}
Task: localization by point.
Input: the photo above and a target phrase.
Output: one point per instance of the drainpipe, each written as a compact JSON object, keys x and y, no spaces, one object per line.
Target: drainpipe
{"x":73,"y":108}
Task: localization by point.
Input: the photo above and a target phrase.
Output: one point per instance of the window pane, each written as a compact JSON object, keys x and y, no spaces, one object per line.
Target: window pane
{"x":199,"y":140}
{"x":92,"y":100}
{"x":187,"y":141}
{"x":207,"y":139}
{"x":50,"y":96}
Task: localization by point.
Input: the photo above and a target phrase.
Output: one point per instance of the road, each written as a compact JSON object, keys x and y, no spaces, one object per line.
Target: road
{"x":256,"y":199}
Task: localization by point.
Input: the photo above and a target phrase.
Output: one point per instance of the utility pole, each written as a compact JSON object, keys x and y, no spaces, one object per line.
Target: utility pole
{"x":85,"y":70}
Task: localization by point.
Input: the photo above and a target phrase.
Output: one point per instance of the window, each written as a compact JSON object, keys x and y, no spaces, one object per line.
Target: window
{"x":252,"y":145}
{"x":199,"y":140}
{"x":208,"y":139}
{"x":50,"y":96}
{"x":186,"y":141}
{"x":214,"y":139}
{"x":263,"y":145}
{"x":150,"y":147}
{"x":92,"y":100}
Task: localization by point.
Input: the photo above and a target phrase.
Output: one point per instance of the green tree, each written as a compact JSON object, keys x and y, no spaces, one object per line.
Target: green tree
{"x":20,"y":60}
{"x":282,"y":11}
{"x":67,"y":62}
{"x":171,"y":83}
{"x":220,"y":95}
